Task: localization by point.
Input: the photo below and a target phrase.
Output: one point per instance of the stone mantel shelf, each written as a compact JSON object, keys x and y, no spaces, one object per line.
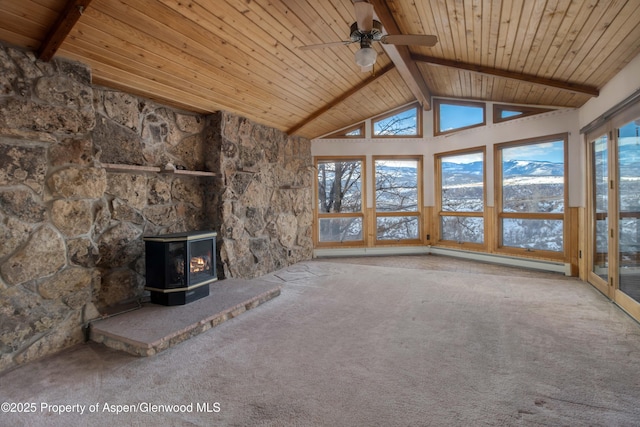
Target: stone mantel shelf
{"x":119,"y":167}
{"x":187,"y":172}
{"x":246,"y":170}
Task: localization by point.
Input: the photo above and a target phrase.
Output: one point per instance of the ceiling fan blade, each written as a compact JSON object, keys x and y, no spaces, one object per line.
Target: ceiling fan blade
{"x":410,"y":39}
{"x":323,"y":45}
{"x":364,"y":16}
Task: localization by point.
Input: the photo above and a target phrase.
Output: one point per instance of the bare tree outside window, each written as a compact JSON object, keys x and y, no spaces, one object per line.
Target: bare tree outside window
{"x":403,"y":123}
{"x":340,"y":192}
{"x":339,"y":186}
{"x":397,"y":209}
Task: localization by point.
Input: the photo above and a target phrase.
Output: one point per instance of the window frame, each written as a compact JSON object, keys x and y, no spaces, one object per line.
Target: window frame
{"x":418,"y":213}
{"x":440,"y":213}
{"x":342,"y":134}
{"x":438,"y":102}
{"x":526,"y":112}
{"x":395,"y":112}
{"x":318,"y":216}
{"x":501,"y":215}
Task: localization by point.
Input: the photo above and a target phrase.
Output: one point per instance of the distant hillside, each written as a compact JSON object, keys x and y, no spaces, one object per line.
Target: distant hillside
{"x":461,"y":173}
{"x":532,"y":168}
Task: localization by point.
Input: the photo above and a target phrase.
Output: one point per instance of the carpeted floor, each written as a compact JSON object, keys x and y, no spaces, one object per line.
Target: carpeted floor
{"x":397,"y":343}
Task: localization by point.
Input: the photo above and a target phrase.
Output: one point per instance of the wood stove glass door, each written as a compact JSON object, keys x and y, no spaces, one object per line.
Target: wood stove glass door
{"x":177,"y":269}
{"x":201,"y":261}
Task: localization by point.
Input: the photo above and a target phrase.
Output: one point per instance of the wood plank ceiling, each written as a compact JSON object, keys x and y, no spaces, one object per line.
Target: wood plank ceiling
{"x":242,"y":55}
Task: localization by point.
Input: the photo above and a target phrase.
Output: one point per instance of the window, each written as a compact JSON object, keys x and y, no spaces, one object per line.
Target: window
{"x":612,"y":224}
{"x":600,"y":203}
{"x":359,"y":132}
{"x":532,"y":194}
{"x":628,"y":158}
{"x":398,"y":198}
{"x":504,"y":113}
{"x":451,"y":116}
{"x":402,"y":122}
{"x":340,"y":200}
{"x":356,"y":131}
{"x":461,"y":196}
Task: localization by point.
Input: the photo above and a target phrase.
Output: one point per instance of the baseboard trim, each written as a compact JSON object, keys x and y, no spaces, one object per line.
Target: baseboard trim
{"x":558,"y":267}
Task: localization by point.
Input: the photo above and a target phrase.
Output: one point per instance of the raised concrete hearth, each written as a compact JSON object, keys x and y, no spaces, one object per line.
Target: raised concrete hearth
{"x":153,"y":328}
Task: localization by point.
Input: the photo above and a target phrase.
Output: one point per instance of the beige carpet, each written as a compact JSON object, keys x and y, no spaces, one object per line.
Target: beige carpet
{"x":357,"y":345}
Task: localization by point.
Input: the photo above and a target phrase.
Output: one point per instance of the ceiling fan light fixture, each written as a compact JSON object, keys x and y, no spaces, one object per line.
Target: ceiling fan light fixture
{"x":366,"y":56}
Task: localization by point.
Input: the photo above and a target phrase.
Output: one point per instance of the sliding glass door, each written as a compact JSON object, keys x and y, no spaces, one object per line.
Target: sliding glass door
{"x":614,"y":210}
{"x":599,"y":157}
{"x":628,"y":189}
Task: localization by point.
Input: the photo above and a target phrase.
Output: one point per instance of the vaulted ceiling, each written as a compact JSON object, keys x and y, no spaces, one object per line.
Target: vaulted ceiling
{"x":243,"y":56}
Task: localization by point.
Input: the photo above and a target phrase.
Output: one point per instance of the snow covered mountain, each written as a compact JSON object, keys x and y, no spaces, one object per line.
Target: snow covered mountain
{"x":531,"y":168}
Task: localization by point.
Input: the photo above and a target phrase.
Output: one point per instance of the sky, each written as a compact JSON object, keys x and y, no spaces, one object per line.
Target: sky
{"x":457,"y":116}
{"x":464,"y":158}
{"x":405,"y":120}
{"x":547,"y":152}
{"x":397,"y":163}
{"x":630,"y":133}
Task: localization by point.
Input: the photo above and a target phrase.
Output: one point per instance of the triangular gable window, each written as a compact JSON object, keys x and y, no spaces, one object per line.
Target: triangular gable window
{"x":507,"y":114}
{"x":451,"y":116}
{"x":403,"y":122}
{"x":504,"y":113}
{"x":356,"y":131}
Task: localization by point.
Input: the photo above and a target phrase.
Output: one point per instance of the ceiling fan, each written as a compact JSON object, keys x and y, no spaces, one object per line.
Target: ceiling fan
{"x":367,"y":30}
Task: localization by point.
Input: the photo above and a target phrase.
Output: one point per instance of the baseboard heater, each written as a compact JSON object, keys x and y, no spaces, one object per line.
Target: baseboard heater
{"x":558,"y":267}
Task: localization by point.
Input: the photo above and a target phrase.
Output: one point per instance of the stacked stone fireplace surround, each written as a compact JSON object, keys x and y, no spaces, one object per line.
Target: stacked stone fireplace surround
{"x":71,"y":223}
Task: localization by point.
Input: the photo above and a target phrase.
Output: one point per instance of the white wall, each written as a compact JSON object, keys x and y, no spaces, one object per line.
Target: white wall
{"x":555,"y":122}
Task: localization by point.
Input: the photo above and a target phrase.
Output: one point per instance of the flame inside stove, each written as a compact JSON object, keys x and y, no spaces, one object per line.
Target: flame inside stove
{"x":199,"y":264}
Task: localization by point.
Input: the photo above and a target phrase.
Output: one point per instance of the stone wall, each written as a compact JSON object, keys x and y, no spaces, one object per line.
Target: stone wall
{"x":264,"y":210}
{"x":71,"y":227}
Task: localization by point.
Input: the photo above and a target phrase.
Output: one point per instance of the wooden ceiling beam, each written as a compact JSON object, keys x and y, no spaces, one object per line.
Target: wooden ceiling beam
{"x":61,"y":28}
{"x":340,"y":99}
{"x":495,"y":72}
{"x":401,"y":56}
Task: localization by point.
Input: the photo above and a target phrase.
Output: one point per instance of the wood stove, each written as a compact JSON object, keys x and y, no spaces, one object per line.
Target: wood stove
{"x":180,"y":266}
